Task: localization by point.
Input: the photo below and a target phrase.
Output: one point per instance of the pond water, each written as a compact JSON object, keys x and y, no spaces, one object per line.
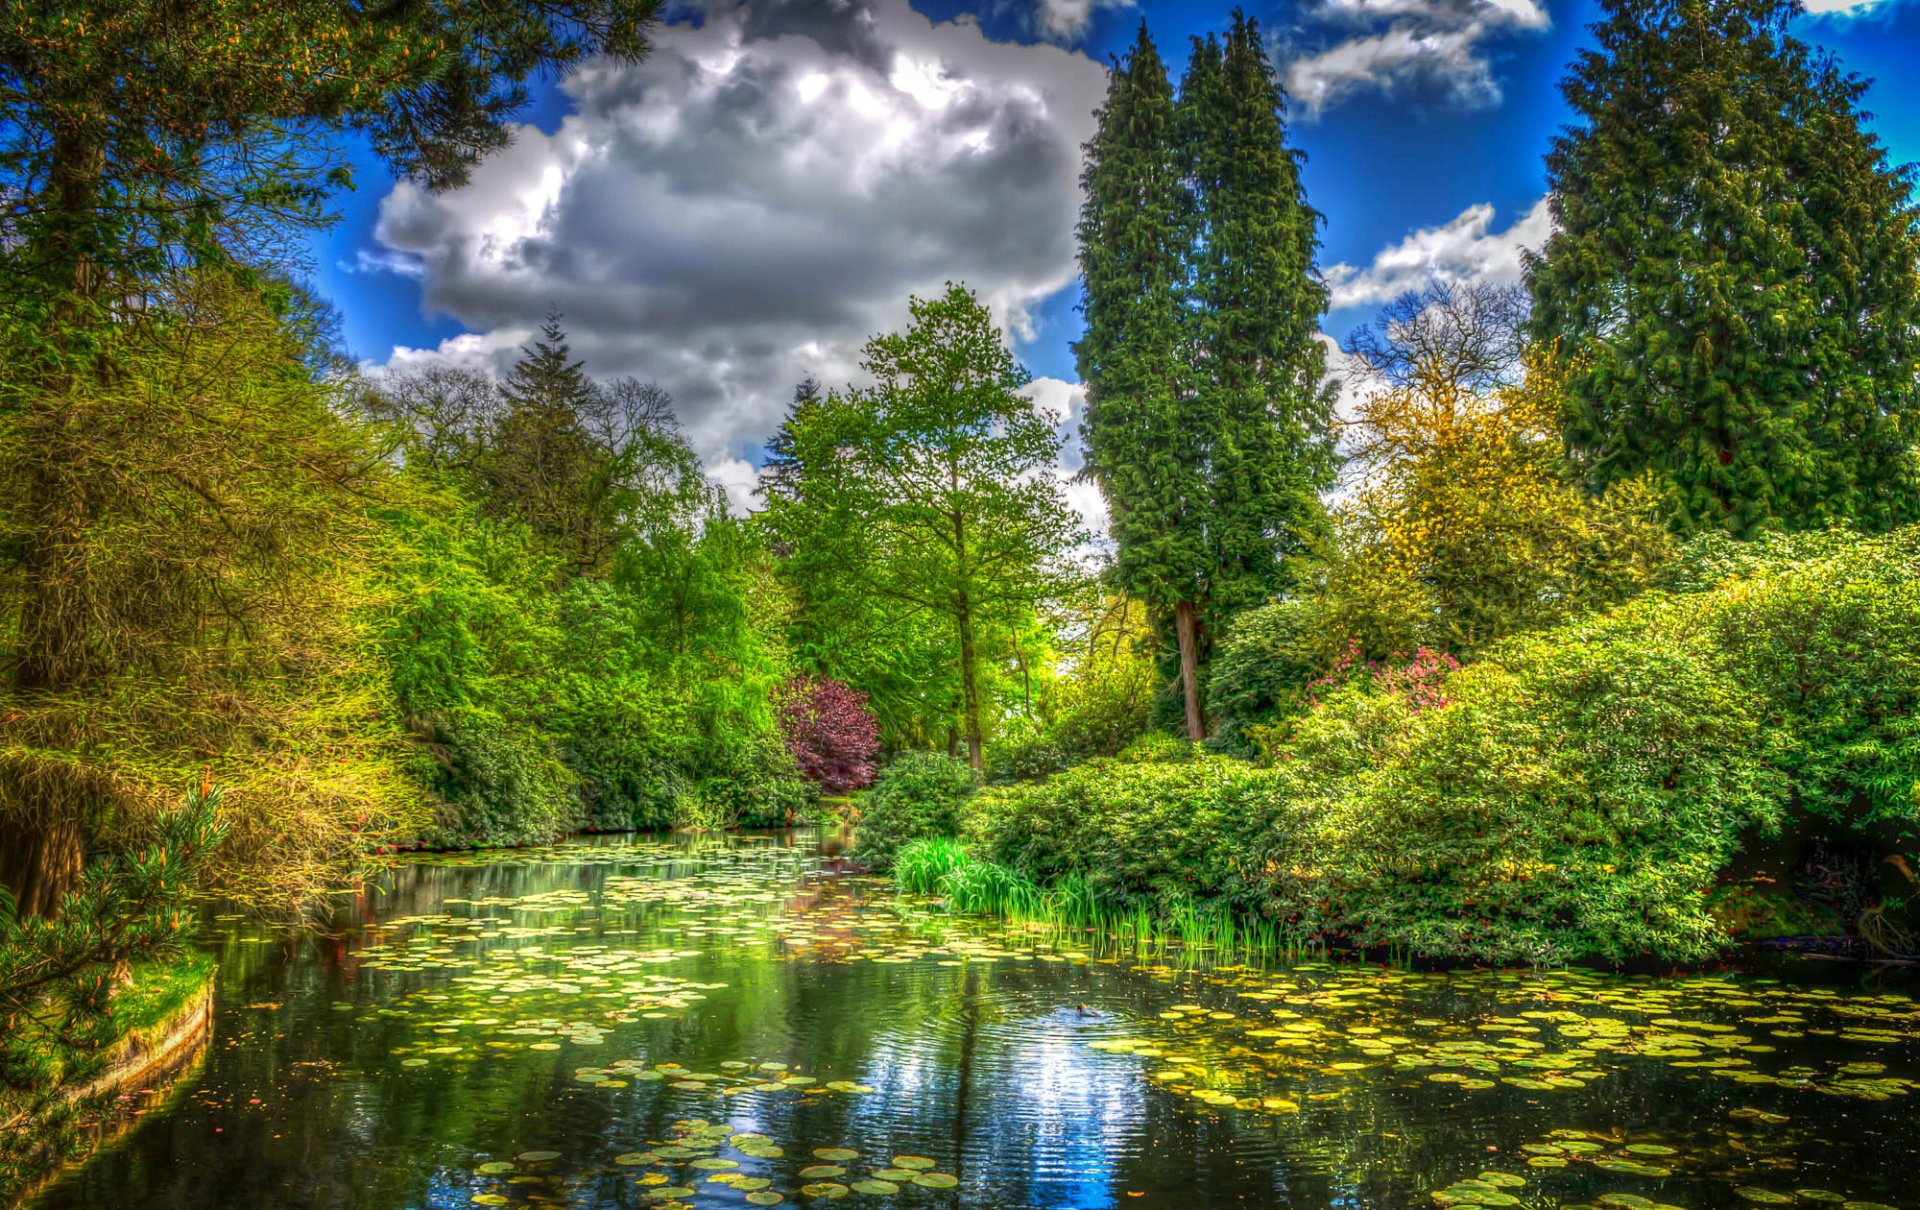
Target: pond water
{"x":728,"y":1021}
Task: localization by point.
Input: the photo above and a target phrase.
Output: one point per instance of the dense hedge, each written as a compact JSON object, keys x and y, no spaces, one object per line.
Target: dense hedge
{"x":1576,"y":792}
{"x":918,"y":796}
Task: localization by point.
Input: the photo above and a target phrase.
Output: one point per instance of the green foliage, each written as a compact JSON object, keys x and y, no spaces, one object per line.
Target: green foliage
{"x":1208,"y":424}
{"x":986,"y":889}
{"x":1093,"y":700}
{"x":496,"y":783}
{"x":1260,"y":399}
{"x":139,"y":137}
{"x":1825,"y":632}
{"x":58,"y":972}
{"x":1260,"y":666}
{"x":918,"y":796}
{"x":1740,"y":264}
{"x":209,"y":601}
{"x":920,"y":865}
{"x":1141,"y":833}
{"x":931,"y":493}
{"x":1577,"y":795}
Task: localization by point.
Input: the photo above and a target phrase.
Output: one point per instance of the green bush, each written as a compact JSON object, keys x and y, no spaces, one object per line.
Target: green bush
{"x":753,"y":782}
{"x":1139,"y":832}
{"x":1826,"y":629}
{"x":919,"y":795}
{"x":1577,"y":794}
{"x":497,"y":784}
{"x":1267,"y":656}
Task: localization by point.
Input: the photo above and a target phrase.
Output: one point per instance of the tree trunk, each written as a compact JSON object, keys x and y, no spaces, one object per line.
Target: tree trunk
{"x":969,"y":690}
{"x":42,"y":851}
{"x":1186,"y":624}
{"x":40,"y":860}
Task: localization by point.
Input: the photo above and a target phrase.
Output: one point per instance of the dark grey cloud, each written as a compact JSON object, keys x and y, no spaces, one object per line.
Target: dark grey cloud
{"x":750,"y":203}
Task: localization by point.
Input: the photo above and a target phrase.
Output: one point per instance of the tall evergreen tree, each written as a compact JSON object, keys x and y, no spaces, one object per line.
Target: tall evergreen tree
{"x":1261,"y":385}
{"x":1209,"y":427}
{"x":1735,"y":262}
{"x":1143,"y":447}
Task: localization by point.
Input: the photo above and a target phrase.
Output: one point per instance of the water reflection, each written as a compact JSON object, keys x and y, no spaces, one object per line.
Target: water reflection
{"x":653,"y":1023}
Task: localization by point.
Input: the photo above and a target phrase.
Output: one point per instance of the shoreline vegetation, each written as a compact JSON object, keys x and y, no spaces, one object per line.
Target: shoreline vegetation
{"x":163,"y":1023}
{"x":1588,"y":632}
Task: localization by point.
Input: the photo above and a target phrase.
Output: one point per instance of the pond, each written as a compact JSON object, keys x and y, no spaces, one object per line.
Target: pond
{"x":730,"y":1021}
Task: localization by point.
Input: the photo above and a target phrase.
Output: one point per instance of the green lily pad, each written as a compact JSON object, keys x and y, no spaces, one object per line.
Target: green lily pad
{"x":765,"y":1198}
{"x":821,"y":1172}
{"x":836,"y":1155}
{"x":824,"y":1189}
{"x":875,"y":1187}
{"x":936,"y":1180}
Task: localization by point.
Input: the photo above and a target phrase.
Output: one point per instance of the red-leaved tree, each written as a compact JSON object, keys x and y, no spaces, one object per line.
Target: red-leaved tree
{"x":830,"y":731}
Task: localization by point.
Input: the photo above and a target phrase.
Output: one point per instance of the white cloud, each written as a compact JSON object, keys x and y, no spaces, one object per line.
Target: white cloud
{"x":1068,"y":402}
{"x":1066,"y":20}
{"x":1843,"y":8}
{"x":749,"y":204}
{"x":1463,"y":251}
{"x":1435,"y":47}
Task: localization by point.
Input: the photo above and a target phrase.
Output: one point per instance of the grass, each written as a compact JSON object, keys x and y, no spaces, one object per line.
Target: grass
{"x":1072,"y":905}
{"x":159,"y":990}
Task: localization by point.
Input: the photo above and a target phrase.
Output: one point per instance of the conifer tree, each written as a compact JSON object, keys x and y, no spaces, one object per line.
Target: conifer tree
{"x":1142,"y":445}
{"x":1261,"y":387}
{"x":541,"y":466}
{"x":1208,"y":425}
{"x":1735,"y":262}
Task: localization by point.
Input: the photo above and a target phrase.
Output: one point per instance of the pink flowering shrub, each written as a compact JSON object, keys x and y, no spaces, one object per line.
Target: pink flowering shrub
{"x":832,"y":734}
{"x":1420,"y":681}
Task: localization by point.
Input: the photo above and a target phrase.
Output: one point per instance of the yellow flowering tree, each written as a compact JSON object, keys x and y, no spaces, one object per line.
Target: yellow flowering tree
{"x":1464,"y":523}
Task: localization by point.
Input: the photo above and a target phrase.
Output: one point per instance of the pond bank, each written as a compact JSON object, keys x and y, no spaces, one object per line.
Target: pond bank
{"x":168,"y":1012}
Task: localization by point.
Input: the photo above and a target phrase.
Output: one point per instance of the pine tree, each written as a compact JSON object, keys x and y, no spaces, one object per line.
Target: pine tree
{"x":541,"y":466}
{"x":1735,"y":263}
{"x":1143,"y":448}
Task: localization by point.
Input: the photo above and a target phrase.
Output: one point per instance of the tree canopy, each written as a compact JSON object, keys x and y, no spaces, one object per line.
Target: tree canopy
{"x":1738,"y":267}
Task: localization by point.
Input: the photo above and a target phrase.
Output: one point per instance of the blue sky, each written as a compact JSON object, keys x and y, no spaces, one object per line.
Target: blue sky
{"x":1427,"y":138}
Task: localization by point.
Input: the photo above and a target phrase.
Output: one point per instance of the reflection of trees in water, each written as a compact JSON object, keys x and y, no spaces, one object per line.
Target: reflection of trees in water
{"x":983,"y":1066}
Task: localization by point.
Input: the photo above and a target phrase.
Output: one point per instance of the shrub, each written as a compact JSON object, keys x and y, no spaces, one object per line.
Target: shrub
{"x":832,"y":734}
{"x":1578,"y":795}
{"x":497,"y":784}
{"x":752,"y":782}
{"x":1139,"y":832}
{"x":1266,"y":657}
{"x":918,"y":795}
{"x":1826,"y":629}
